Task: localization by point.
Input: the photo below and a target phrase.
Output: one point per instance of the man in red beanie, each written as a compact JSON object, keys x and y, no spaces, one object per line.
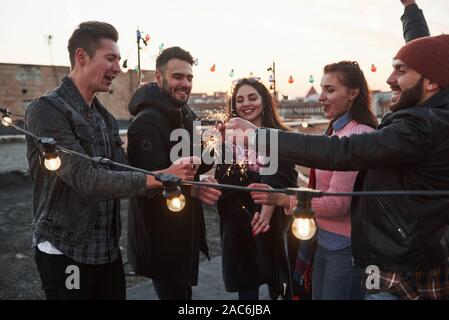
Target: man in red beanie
{"x":421,"y":69}
{"x":396,"y":239}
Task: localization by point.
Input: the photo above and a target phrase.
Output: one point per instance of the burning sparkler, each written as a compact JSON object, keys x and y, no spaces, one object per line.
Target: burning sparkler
{"x":211,"y":142}
{"x":217,"y":116}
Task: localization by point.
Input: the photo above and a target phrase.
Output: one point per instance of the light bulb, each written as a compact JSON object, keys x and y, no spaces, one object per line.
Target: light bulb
{"x":6,"y":121}
{"x":52,"y":164}
{"x":304,"y":124}
{"x":303,"y":228}
{"x":176,"y":203}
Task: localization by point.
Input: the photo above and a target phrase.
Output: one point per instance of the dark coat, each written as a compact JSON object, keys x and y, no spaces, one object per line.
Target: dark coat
{"x":414,"y":24}
{"x":409,"y":151}
{"x":161,"y":244}
{"x":250,"y":261}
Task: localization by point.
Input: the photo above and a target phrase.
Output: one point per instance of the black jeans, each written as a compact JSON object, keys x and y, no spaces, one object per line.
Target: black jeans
{"x":169,"y":291}
{"x":104,"y":281}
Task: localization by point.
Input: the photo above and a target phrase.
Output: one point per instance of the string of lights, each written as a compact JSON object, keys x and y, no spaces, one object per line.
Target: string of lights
{"x":303,"y":224}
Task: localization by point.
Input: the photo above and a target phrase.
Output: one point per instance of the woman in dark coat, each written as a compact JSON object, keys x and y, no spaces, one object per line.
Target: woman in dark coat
{"x":253,"y":237}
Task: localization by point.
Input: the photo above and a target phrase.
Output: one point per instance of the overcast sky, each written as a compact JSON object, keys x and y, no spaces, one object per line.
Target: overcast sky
{"x":301,"y":36}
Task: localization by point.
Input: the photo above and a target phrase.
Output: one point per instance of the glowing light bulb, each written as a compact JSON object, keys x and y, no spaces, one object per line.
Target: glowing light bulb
{"x":176,"y":203}
{"x":304,"y":124}
{"x":6,"y":121}
{"x":303,"y":228}
{"x":52,"y":164}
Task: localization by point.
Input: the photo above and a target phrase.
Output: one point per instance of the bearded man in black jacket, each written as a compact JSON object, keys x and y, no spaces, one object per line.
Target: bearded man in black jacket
{"x":396,"y":238}
{"x":163,"y":245}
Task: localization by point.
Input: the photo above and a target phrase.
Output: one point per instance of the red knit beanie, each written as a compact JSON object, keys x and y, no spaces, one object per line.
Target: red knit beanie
{"x":429,"y":56}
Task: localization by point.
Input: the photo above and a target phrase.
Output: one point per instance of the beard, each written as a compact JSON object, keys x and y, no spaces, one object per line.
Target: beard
{"x":409,"y":97}
{"x":167,"y":92}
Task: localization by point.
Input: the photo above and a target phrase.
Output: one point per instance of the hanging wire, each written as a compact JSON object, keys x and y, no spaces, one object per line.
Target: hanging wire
{"x":7,"y":112}
{"x":289,"y":191}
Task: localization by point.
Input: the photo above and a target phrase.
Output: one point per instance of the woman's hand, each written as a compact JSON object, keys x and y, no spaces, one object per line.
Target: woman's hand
{"x":261,"y":221}
{"x":268,"y":198}
{"x":205,"y":194}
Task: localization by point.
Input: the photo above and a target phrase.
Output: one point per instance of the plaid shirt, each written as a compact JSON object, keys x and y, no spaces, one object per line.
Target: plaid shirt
{"x":103,"y":246}
{"x":420,"y":285}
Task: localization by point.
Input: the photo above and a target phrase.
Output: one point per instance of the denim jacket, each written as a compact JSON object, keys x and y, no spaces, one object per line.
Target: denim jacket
{"x":64,"y":201}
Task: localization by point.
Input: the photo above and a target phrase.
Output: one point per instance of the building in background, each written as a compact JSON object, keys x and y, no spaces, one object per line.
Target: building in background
{"x":202,"y":103}
{"x":22,"y":83}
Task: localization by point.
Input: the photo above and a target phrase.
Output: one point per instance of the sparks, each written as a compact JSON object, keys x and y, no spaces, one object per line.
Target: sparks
{"x":216,"y":116}
{"x":211,"y":143}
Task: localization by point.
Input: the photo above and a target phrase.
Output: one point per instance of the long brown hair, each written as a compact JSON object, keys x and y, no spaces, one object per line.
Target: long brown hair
{"x":352,"y":77}
{"x":270,"y":116}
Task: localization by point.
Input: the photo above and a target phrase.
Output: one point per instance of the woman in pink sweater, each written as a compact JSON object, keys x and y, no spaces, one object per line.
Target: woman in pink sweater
{"x":346,"y":101}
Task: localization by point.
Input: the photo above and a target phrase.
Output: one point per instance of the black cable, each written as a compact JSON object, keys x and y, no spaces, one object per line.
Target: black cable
{"x":390,"y":193}
{"x":23,"y":130}
{"x":6,"y":112}
{"x":289,"y":191}
{"x":106,"y":161}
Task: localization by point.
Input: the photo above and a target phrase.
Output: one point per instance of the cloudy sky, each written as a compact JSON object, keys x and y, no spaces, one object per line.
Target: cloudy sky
{"x":301,"y":36}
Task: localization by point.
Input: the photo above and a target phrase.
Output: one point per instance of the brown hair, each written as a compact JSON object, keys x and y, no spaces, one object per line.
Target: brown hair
{"x":352,"y":77}
{"x":88,"y":35}
{"x":270,"y":116}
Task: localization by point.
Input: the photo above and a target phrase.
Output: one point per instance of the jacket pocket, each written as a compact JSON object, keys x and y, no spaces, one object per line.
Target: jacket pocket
{"x":391,"y":220}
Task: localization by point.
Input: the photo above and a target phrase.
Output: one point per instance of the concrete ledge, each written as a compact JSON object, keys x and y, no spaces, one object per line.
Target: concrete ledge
{"x":12,"y":138}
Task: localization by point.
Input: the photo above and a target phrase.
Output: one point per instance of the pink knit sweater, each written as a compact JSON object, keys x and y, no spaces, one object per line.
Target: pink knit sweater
{"x":333,"y":213}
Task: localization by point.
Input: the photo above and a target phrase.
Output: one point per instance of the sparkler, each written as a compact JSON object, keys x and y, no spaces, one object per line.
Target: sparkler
{"x":212,"y":142}
{"x":218,"y":116}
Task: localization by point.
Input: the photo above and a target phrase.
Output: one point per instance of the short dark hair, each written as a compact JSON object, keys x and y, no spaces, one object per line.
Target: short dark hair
{"x":88,"y":36}
{"x":172,"y":53}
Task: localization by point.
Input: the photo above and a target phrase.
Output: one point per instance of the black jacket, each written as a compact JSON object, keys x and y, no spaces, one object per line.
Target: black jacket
{"x":409,"y":151}
{"x":250,"y":261}
{"x":161,"y":244}
{"x":414,"y":24}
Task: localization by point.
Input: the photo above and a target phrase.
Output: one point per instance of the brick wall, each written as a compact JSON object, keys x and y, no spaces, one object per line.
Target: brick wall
{"x":20,"y":84}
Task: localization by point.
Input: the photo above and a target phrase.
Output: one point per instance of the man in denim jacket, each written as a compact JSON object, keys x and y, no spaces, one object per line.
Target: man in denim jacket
{"x":76,"y":208}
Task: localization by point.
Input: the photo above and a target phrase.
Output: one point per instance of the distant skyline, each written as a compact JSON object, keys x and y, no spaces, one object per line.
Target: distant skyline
{"x":301,"y":36}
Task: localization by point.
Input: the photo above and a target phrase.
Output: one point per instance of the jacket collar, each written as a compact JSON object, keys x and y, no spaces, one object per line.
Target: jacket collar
{"x":341,"y":122}
{"x":150,"y":96}
{"x":437,"y":100}
{"x":70,"y":93}
{"x":73,"y":96}
{"x":441,"y":99}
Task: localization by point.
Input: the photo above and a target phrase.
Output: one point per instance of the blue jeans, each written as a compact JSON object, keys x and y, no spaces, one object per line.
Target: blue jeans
{"x":334,"y":276}
{"x":381,"y":296}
